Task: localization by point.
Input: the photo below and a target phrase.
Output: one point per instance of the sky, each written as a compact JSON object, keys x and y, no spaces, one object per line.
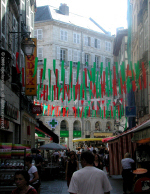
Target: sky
{"x":110,"y":14}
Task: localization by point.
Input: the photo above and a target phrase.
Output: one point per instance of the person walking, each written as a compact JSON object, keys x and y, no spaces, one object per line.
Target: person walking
{"x":127,"y":174}
{"x":71,"y":166}
{"x":22,"y":182}
{"x":97,"y":162}
{"x":89,"y":180}
{"x":33,"y":172}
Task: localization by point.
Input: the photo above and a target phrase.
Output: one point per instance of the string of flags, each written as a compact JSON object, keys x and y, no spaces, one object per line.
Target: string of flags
{"x":106,"y":82}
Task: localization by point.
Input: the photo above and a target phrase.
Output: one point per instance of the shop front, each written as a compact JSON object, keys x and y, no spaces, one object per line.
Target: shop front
{"x":136,"y":141}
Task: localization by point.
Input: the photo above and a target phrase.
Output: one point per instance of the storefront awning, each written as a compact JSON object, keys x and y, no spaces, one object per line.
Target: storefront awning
{"x":104,"y":140}
{"x":140,"y":127}
{"x":142,"y":136}
{"x":47,"y":131}
{"x":86,"y":139}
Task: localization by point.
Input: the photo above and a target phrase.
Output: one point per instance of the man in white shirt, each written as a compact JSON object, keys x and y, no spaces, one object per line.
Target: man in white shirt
{"x":89,"y":179}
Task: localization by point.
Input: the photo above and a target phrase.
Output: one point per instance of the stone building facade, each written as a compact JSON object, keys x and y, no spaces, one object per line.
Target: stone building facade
{"x":62,"y":35}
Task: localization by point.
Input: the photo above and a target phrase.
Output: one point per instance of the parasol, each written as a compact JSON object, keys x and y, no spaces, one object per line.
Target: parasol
{"x":52,"y":146}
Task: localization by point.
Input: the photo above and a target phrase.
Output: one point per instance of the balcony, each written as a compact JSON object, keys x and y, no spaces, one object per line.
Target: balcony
{"x":7,"y":59}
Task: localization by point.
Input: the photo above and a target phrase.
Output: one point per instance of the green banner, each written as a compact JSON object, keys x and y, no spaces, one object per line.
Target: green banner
{"x":64,"y":133}
{"x":40,"y":134}
{"x":76,"y":133}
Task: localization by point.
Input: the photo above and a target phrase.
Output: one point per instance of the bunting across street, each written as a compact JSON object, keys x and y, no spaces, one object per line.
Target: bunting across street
{"x":101,"y":85}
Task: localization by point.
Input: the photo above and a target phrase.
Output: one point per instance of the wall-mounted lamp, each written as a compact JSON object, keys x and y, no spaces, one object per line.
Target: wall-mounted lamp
{"x":28,"y":47}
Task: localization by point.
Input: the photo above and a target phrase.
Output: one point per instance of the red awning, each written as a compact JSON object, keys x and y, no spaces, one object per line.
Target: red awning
{"x":104,"y":140}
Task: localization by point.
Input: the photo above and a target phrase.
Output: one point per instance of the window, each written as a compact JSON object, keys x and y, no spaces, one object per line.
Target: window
{"x":97,"y":43}
{"x":76,"y":38}
{"x":62,"y":55}
{"x":63,"y":35}
{"x":97,"y":61}
{"x":38,"y":34}
{"x":3,"y":23}
{"x":75,"y":56}
{"x":108,"y":46}
{"x":87,"y":40}
{"x":86,"y":59}
{"x":40,"y":54}
{"x":107,"y":60}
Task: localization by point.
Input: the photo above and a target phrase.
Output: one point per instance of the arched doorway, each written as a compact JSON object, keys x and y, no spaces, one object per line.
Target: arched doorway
{"x":87,"y":129}
{"x":76,"y":129}
{"x":64,"y":133}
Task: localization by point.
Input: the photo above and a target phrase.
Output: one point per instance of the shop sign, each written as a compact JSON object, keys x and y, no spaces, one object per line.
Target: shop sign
{"x":11,"y":111}
{"x":53,"y":123}
{"x":64,"y":133}
{"x":130,"y":111}
{"x":76,"y":133}
{"x":36,"y":109}
{"x":31,"y":82}
{"x":6,"y":123}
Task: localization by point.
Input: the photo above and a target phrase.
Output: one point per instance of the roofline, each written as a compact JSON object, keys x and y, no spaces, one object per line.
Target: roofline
{"x":51,"y":20}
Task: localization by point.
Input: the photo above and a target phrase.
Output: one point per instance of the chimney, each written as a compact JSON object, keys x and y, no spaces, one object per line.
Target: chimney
{"x":64,"y":9}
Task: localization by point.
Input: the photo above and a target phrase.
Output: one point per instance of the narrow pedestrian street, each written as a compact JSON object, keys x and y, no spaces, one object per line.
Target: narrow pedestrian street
{"x":59,"y":186}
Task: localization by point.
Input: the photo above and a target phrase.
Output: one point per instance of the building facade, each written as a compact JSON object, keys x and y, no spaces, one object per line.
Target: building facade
{"x":17,"y":121}
{"x":140,"y":49}
{"x":64,"y":36}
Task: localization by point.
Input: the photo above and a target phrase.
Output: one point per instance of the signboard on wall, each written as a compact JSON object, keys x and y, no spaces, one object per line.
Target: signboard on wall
{"x":64,"y":133}
{"x":31,"y":82}
{"x":76,"y":133}
{"x":130,"y":111}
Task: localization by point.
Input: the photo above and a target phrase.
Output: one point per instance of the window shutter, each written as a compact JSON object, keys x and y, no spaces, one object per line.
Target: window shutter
{"x":79,"y":56}
{"x":74,"y":38}
{"x":35,"y":33}
{"x":74,"y":78}
{"x":66,"y":77}
{"x":69,"y":54}
{"x":92,"y":58}
{"x":58,"y":52}
{"x":40,"y":53}
{"x":109,"y":46}
{"x":85,"y":41}
{"x":39,"y":34}
{"x":92,"y":42}
{"x":98,"y":43}
{"x":75,"y":56}
{"x":78,"y":38}
{"x":79,"y":78}
{"x":66,"y":36}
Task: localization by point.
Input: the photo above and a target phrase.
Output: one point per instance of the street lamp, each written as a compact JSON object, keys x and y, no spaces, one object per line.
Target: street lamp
{"x":28,"y":46}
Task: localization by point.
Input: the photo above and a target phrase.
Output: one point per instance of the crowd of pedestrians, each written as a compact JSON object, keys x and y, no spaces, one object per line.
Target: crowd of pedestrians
{"x":93,"y":162}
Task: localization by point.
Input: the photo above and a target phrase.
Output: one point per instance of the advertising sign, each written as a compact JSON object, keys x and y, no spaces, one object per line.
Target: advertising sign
{"x":31,"y":82}
{"x":36,"y":109}
{"x":64,"y":133}
{"x":76,"y":133}
{"x":130,"y":111}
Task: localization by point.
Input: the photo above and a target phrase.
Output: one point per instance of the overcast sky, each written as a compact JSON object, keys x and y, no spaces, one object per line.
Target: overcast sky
{"x":110,"y":14}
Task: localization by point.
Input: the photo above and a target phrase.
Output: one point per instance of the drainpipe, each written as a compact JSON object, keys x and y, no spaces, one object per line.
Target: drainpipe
{"x":82,"y":119}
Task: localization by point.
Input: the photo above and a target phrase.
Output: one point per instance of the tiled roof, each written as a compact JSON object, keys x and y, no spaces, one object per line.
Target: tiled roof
{"x":48,"y":12}
{"x":42,"y":14}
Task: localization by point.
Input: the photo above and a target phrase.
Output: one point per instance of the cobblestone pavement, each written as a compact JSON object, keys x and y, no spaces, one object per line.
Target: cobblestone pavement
{"x":58,"y":186}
